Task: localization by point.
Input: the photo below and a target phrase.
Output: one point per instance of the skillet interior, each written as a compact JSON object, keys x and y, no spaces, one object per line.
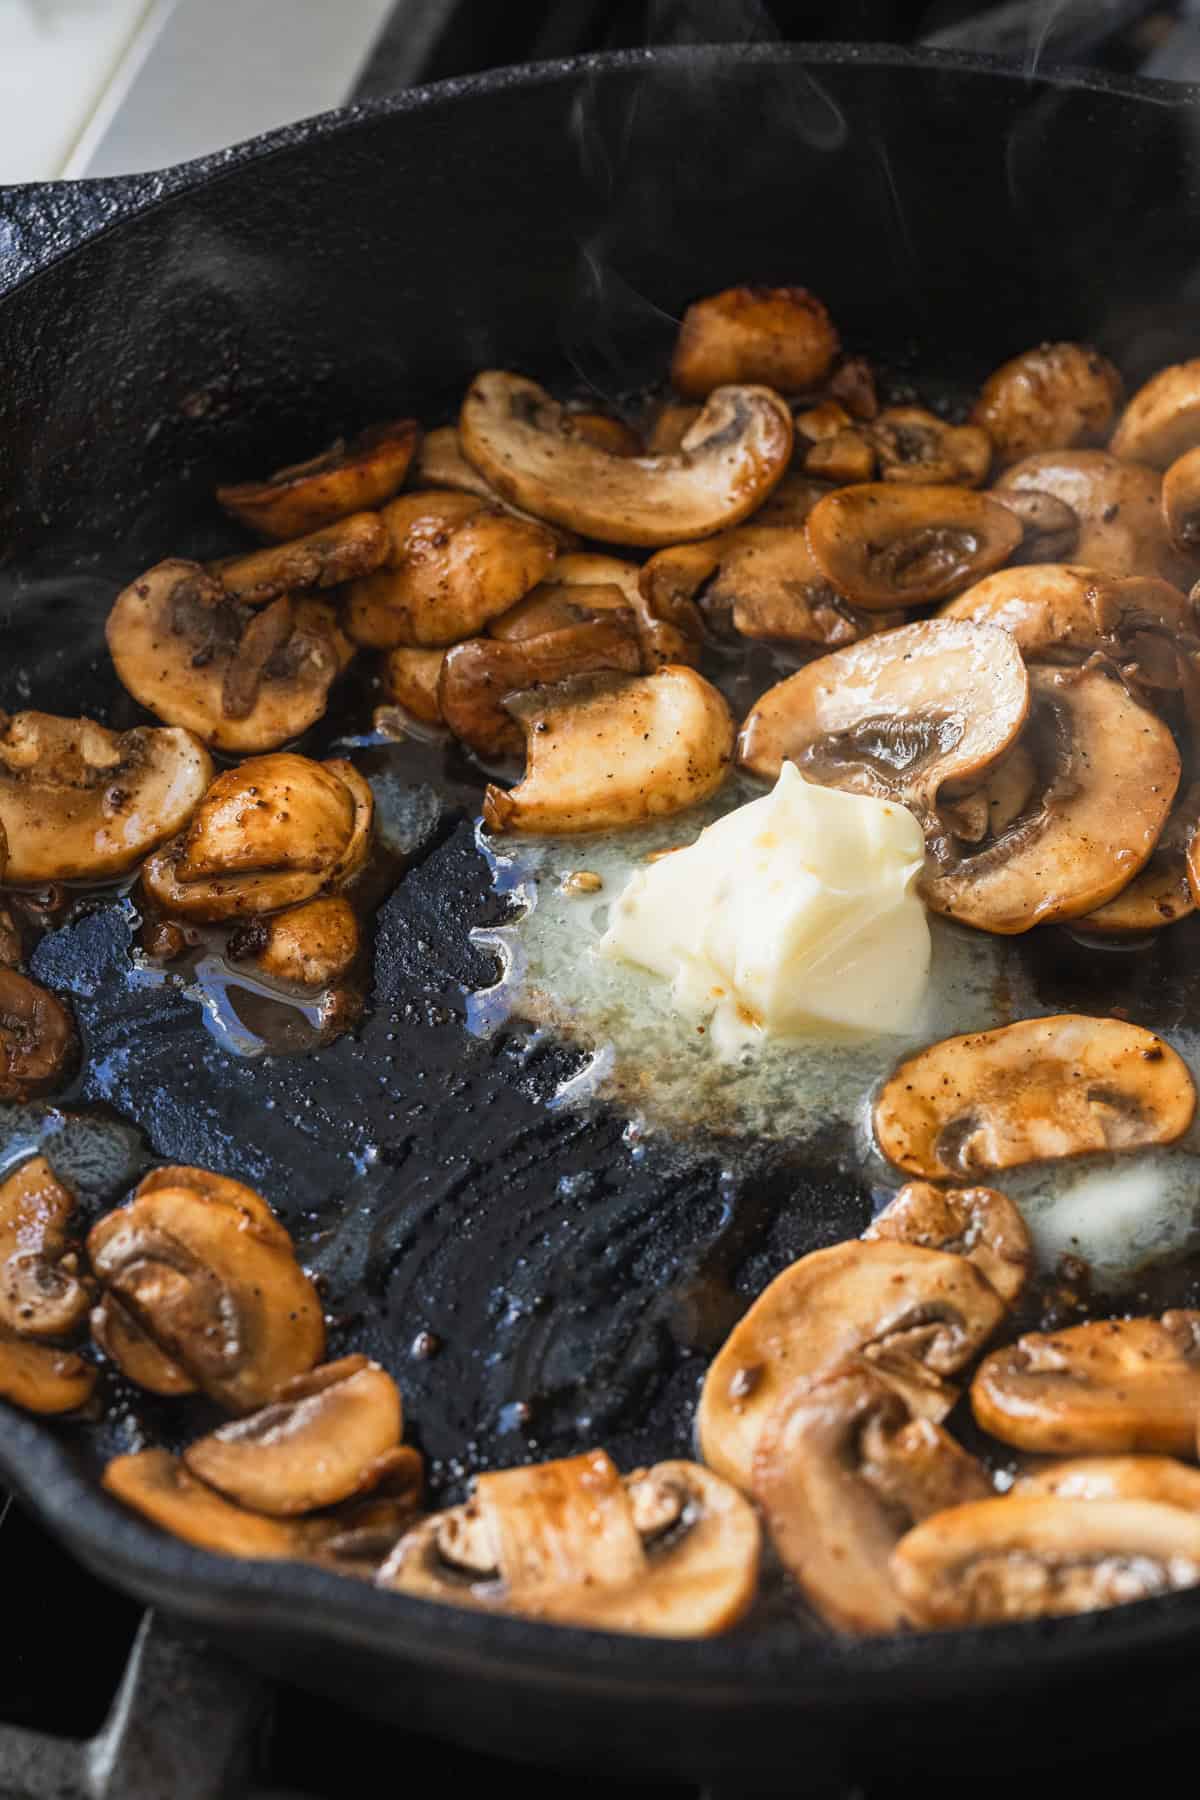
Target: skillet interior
{"x":554,"y":220}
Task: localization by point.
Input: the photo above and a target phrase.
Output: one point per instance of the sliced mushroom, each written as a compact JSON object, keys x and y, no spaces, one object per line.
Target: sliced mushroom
{"x":11,"y":948}
{"x":1064,"y":612}
{"x":224,"y":1190}
{"x":443,"y":465}
{"x":410,"y":678}
{"x":1161,"y":894}
{"x":42,"y":1379}
{"x":842,"y":1470}
{"x":669,"y":626}
{"x":899,"y":716}
{"x":1025,"y":1558}
{"x":271,"y":833}
{"x":80,"y":802}
{"x":478,"y":677}
{"x":39,"y":1047}
{"x":1162,"y":420}
{"x":310,"y":946}
{"x":845,"y":457}
{"x":609,"y":751}
{"x":916,"y":446}
{"x":314,"y":1444}
{"x":1108,"y":770}
{"x":782,"y":336}
{"x":1119,"y":508}
{"x":155,"y":1484}
{"x":1116,"y":1478}
{"x":1042,"y":1088}
{"x":1050,"y":527}
{"x":136,"y":1354}
{"x":1181,"y":502}
{"x":882,"y":544}
{"x":669,"y":1551}
{"x":1051,"y":398}
{"x":454,"y":563}
{"x":340,"y":552}
{"x":910,"y":1312}
{"x":1109,"y":1386}
{"x":346,"y":478}
{"x":214,"y":1288}
{"x":669,"y":429}
{"x":602,"y":430}
{"x":730,"y":460}
{"x":977,"y":1222}
{"x":790,"y":503}
{"x":40,"y":1297}
{"x":241,"y":681}
{"x":990,"y":809}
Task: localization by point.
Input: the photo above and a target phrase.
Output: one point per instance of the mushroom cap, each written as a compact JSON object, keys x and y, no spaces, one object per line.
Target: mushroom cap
{"x":898,"y":716}
{"x":1074,"y":611}
{"x":1119,"y":508}
{"x":454,"y":563}
{"x":480,"y":676}
{"x":1162,"y":420}
{"x":1050,"y":528}
{"x":1024,"y":1558}
{"x":1049,"y":398}
{"x":669,"y":626}
{"x":976,"y":1222}
{"x":1161,"y":894}
{"x":410,"y":678}
{"x":221,"y":1188}
{"x":916,"y":446}
{"x":892,"y":1302}
{"x":1181,"y":502}
{"x":1108,"y":770}
{"x":561,"y":1541}
{"x":344,"y":479}
{"x":41,"y":1379}
{"x":1109,"y":1386}
{"x":729,"y":461}
{"x":214,"y":1288}
{"x":39,"y":1046}
{"x":78,"y":802}
{"x":841,"y":1471}
{"x":336,"y":553}
{"x":1116,"y":1478}
{"x":241,"y":681}
{"x":885,"y":544}
{"x":782,"y":336}
{"x":1039,"y":1089}
{"x":157,"y":1485}
{"x":613,"y":750}
{"x":38,"y":1297}
{"x":314,"y":1444}
{"x":309,"y":946}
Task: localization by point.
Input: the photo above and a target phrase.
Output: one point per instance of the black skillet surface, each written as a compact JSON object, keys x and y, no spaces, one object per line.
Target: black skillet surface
{"x":236,"y":313}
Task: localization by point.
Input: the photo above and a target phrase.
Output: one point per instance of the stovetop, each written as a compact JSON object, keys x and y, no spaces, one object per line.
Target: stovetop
{"x":100,"y":1701}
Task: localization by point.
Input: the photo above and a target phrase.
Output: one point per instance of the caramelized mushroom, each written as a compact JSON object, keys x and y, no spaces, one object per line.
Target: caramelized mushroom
{"x":1162,"y":420}
{"x":478,"y":677}
{"x":1118,"y":506}
{"x":157,"y":1485}
{"x":990,"y":809}
{"x":10,"y":933}
{"x":916,"y":446}
{"x":882,"y":544}
{"x":215,"y":1287}
{"x":602,"y":430}
{"x":912,"y":1313}
{"x":346,"y":478}
{"x":136,"y":1355}
{"x":1025,"y":1558}
{"x":781,"y":336}
{"x":1062,"y":612}
{"x":1108,"y":770}
{"x":39,"y":1296}
{"x":310,"y":946}
{"x":730,"y":460}
{"x":79,"y":802}
{"x":273,"y":832}
{"x":443,"y":465}
{"x":670,"y":427}
{"x":341,"y":552}
{"x":42,"y":1379}
{"x":1181,"y":502}
{"x":1042,"y":1088}
{"x":241,"y":681}
{"x":669,"y":1551}
{"x":789,"y":504}
{"x":842,"y":1470}
{"x":38,"y":1044}
{"x":454,"y":563}
{"x":669,"y":626}
{"x":410,"y":678}
{"x":1109,"y":1386}
{"x":1051,"y":398}
{"x":1116,"y":1478}
{"x":976,"y":1222}
{"x":314,"y":1444}
{"x":608,"y":751}
{"x":1050,"y":527}
{"x":1161,"y":894}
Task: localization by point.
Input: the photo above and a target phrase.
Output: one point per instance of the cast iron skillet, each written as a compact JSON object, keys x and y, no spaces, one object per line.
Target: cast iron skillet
{"x":232,"y":315}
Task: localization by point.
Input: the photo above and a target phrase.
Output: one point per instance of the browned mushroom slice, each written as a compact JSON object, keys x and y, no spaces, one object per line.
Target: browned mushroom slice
{"x":782,"y":336}
{"x":830,"y":447}
{"x":605,"y":751}
{"x":1037,"y":1555}
{"x":217,"y":1292}
{"x":602,"y":430}
{"x":1051,"y":398}
{"x":910,"y":1312}
{"x":326,"y":558}
{"x":669,"y":429}
{"x":1108,"y":770}
{"x":410,"y":678}
{"x":882,"y":544}
{"x":898,"y":716}
{"x":309,"y":946}
{"x":669,"y":626}
{"x":728,"y":463}
{"x":790,"y":503}
{"x":222,"y":1189}
{"x":155,"y":1484}
{"x":39,"y":1296}
{"x":346,"y":478}
{"x":443,"y":465}
{"x":41,"y":1379}
{"x":80,"y":802}
{"x":669,"y":1552}
{"x":992,"y":808}
{"x":916,"y":446}
{"x":1181,"y":502}
{"x":136,"y":1355}
{"x":38,"y":1043}
{"x":842,"y":1470}
{"x":976,"y":1222}
{"x":1108,"y":1386}
{"x":1116,"y":1478}
{"x":454,"y":563}
{"x":1067,"y":612}
{"x":1161,"y":894}
{"x":1049,"y":525}
{"x":313,"y":1444}
{"x":1162,"y":420}
{"x":241,"y":681}
{"x":271,"y":833}
{"x":11,"y":948}
{"x":479,"y":676}
{"x":1039,"y":1089}
{"x":1119,"y":508}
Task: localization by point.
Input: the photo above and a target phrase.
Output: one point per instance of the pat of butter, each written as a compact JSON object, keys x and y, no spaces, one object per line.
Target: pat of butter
{"x":792,"y":915}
